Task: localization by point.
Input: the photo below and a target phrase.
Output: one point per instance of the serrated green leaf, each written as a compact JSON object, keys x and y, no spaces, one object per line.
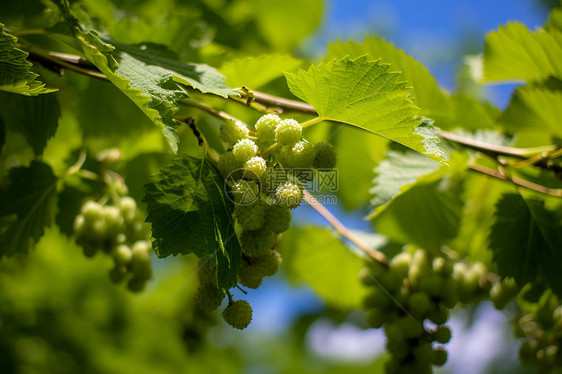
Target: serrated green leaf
{"x":158,"y":60}
{"x":120,"y":125}
{"x":314,"y":255}
{"x":27,"y":206}
{"x":364,"y":94}
{"x":514,"y":53}
{"x":190,"y":213}
{"x":525,"y":240}
{"x":149,"y":74}
{"x":534,"y":108}
{"x":427,"y":94}
{"x":427,"y":212}
{"x":399,"y":169}
{"x":256,"y":72}
{"x":448,"y":112}
{"x":15,"y":75}
{"x":36,"y":118}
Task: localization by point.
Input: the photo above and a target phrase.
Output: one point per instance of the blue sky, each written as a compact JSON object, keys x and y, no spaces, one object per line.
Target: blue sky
{"x":437,"y":33}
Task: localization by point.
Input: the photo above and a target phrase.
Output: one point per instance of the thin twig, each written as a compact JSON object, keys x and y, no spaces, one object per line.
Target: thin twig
{"x":496,"y":150}
{"x":282,"y":103}
{"x":48,"y":59}
{"x":209,"y":109}
{"x":517,"y":181}
{"x":342,"y":230}
{"x":77,"y":165}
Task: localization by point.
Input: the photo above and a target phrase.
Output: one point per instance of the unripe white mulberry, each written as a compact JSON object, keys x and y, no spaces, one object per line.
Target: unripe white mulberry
{"x":289,"y":195}
{"x":326,"y":156}
{"x":238,"y":314}
{"x":277,"y":218}
{"x":288,"y":132}
{"x":300,"y":156}
{"x":257,"y":242}
{"x":227,"y":164}
{"x":209,"y":297}
{"x":255,"y":168}
{"x":265,"y":127}
{"x":245,"y":192}
{"x":244,"y":150}
{"x":233,"y":131}
{"x":251,"y":217}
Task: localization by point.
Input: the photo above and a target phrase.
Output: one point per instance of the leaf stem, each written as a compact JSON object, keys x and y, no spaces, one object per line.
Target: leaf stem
{"x":342,"y":230}
{"x":77,"y":165}
{"x":282,"y":103}
{"x":215,"y":112}
{"x":517,"y":181}
{"x":312,"y":122}
{"x":496,"y":150}
{"x":52,"y":61}
{"x":270,"y":149}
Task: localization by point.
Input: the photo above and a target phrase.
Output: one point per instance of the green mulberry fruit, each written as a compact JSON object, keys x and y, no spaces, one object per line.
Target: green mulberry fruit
{"x":233,"y":131}
{"x":326,"y":156}
{"x":288,"y":132}
{"x":238,"y":314}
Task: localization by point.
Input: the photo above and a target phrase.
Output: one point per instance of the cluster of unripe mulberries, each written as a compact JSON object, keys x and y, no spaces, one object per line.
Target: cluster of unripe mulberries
{"x":411,"y":298}
{"x":118,"y":231}
{"x":266,"y":171}
{"x":540,"y":327}
{"x":237,"y":314}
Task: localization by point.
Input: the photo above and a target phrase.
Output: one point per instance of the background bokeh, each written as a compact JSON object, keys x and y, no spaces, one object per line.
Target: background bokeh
{"x":59,"y":312}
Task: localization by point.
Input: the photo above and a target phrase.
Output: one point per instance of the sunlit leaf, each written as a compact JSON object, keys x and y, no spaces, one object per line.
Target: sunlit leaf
{"x":15,"y":75}
{"x":515,"y":53}
{"x":256,"y":72}
{"x":365,"y":94}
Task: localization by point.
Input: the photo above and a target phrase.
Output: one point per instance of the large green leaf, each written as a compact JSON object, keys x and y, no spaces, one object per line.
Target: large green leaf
{"x":364,"y":94}
{"x":427,"y":94}
{"x":155,"y":61}
{"x":149,"y":74}
{"x":190,"y":213}
{"x":515,"y":53}
{"x":36,"y":117}
{"x":27,"y":206}
{"x":256,"y":72}
{"x":426,"y":212}
{"x":15,"y":75}
{"x":526,"y":239}
{"x":120,"y":125}
{"x":448,"y":112}
{"x":316,"y":256}
{"x":534,"y":108}
{"x":400,"y":168}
